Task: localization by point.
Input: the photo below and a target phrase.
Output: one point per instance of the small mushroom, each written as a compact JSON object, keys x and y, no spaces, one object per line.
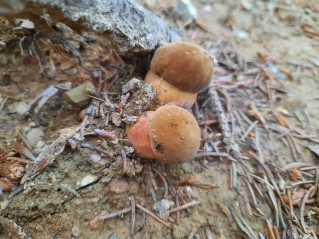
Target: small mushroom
{"x":170,"y":134}
{"x":178,"y":72}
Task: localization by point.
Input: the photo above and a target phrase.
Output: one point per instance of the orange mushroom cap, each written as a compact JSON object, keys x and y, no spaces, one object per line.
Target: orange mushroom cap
{"x":173,"y":135}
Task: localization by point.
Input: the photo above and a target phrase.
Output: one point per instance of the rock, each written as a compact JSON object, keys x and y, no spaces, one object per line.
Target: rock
{"x":113,"y":236}
{"x":20,"y":107}
{"x":162,"y":206}
{"x":87,"y":180}
{"x":34,"y":136}
{"x":76,"y":231}
{"x":131,"y":27}
{"x":81,"y":93}
{"x":94,"y":158}
{"x":119,"y":186}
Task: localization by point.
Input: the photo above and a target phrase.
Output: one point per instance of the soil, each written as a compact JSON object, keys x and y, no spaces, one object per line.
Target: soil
{"x":268,"y":61}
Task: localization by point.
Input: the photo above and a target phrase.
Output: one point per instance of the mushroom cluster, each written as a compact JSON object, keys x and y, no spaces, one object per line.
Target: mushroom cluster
{"x":169,"y":133}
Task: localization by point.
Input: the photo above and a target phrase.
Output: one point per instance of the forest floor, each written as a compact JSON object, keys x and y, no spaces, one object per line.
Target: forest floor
{"x":266,"y":80}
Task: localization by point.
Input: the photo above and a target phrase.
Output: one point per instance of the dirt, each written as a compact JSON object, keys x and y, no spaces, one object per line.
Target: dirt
{"x":242,"y":35}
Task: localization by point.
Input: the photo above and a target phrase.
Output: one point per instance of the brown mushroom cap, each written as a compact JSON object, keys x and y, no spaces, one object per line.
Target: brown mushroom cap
{"x":174,"y":134}
{"x":184,"y":65}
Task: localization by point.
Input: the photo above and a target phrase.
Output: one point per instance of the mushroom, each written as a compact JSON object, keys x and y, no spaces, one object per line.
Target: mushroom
{"x":178,"y":72}
{"x":170,"y":134}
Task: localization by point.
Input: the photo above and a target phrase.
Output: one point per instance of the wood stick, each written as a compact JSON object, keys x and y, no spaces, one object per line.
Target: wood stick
{"x":176,"y":209}
{"x":114,"y":214}
{"x":152,"y":214}
{"x":133,"y":214}
{"x":164,"y":182}
{"x":302,"y":209}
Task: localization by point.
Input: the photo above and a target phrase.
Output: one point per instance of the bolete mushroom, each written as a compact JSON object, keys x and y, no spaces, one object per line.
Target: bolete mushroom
{"x":178,"y":72}
{"x":170,"y":134}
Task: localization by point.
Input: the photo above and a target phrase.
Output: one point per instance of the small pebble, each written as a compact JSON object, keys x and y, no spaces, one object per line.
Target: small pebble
{"x":76,"y":231}
{"x":113,"y":236}
{"x":163,"y":205}
{"x":94,"y":158}
{"x":21,"y":107}
{"x":88,"y":179}
{"x":72,"y":71}
{"x":8,"y":126}
{"x":34,"y":136}
{"x":81,"y":93}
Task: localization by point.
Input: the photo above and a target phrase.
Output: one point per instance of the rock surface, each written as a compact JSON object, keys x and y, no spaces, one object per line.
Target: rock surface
{"x":132,"y":28}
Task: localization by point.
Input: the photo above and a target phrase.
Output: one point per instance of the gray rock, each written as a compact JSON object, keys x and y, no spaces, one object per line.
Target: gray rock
{"x":131,"y":27}
{"x":86,"y":180}
{"x":34,"y":136}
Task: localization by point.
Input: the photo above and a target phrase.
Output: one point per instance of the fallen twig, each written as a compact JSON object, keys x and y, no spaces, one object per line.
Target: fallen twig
{"x":164,"y":182}
{"x":302,"y":209}
{"x":49,"y":154}
{"x":276,"y":232}
{"x":228,"y":138}
{"x":215,"y":154}
{"x":152,"y":215}
{"x":262,"y":180}
{"x":269,"y":230}
{"x":21,"y":149}
{"x":249,"y":129}
{"x":195,"y":184}
{"x":133,"y":214}
{"x":183,"y":207}
{"x":114,"y":214}
{"x":242,"y":224}
{"x":20,"y":160}
{"x":257,"y":114}
{"x":124,"y":159}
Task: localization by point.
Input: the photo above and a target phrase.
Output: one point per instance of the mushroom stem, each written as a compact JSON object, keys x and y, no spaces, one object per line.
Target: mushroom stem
{"x":167,"y":94}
